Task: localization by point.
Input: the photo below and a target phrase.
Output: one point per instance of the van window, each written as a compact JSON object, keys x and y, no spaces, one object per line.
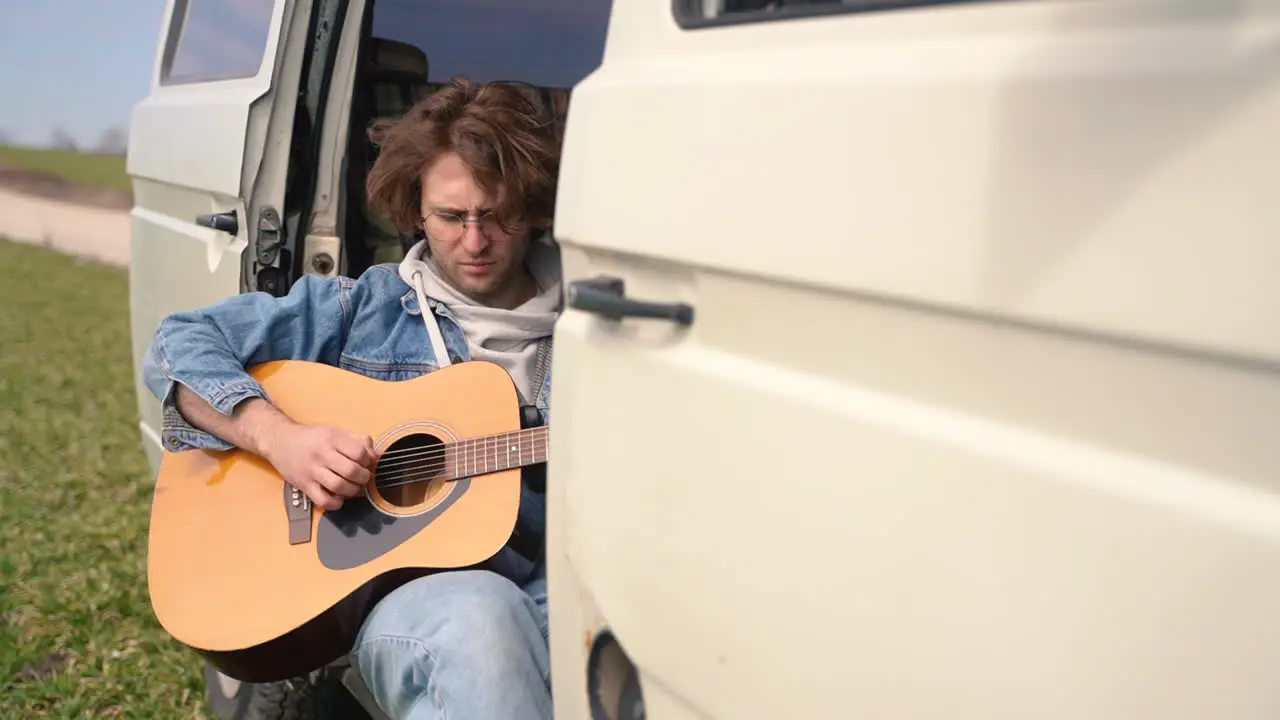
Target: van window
{"x":548,"y":43}
{"x":216,"y":40}
{"x":710,"y":13}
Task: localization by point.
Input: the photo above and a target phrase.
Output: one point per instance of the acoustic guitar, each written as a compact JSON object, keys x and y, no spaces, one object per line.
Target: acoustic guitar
{"x":242,"y":568}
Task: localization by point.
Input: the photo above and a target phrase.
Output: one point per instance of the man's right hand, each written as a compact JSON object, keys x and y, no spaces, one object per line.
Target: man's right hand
{"x":328,"y":464}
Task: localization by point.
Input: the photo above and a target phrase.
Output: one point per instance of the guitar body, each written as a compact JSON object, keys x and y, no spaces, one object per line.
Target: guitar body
{"x":244,"y":570}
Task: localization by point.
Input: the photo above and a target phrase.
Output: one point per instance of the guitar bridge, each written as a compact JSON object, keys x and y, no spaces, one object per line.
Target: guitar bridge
{"x":297,"y":507}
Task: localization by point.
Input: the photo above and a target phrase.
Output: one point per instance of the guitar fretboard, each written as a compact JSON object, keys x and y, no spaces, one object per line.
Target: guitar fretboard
{"x":495,"y":453}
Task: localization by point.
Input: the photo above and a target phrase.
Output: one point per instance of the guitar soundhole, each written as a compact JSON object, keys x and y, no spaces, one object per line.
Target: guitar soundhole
{"x":411,"y":470}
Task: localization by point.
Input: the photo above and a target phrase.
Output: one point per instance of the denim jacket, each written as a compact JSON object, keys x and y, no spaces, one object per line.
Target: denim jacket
{"x":371,"y":325}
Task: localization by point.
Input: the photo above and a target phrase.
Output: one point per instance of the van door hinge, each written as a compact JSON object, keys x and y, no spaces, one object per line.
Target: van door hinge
{"x":269,"y":238}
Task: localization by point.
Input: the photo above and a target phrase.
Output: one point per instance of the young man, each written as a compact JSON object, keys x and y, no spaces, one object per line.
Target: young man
{"x":472,"y":171}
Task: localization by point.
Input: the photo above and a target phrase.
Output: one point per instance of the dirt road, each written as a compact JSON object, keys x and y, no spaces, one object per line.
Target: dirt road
{"x":93,"y":233}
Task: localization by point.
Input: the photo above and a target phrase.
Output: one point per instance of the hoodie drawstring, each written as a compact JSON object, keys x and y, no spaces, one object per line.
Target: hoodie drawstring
{"x":433,"y":327}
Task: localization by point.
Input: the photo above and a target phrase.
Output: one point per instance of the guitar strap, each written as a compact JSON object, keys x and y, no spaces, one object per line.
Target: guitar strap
{"x":541,"y":366}
{"x":534,"y":476}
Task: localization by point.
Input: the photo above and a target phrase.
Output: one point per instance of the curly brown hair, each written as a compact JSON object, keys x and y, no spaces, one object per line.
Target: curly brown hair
{"x":505,"y":136}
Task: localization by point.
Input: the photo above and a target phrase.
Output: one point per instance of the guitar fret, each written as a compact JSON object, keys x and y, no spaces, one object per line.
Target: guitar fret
{"x":505,"y":440}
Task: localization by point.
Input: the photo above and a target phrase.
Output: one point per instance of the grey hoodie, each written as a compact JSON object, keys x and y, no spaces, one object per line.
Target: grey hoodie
{"x":506,"y":337}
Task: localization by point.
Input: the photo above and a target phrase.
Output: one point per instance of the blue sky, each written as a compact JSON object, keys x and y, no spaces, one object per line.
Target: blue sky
{"x":76,"y":64}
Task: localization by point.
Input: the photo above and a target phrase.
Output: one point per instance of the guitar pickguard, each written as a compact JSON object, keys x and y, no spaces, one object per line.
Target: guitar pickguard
{"x":359,"y":532}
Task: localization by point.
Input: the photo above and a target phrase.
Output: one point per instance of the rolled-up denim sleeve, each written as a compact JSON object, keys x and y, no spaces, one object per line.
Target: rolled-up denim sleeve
{"x":208,"y":349}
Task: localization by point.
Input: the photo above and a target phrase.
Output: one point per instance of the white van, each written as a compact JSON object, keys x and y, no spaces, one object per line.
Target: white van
{"x":954,"y":384}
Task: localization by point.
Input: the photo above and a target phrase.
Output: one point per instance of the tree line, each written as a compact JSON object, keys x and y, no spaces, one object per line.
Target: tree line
{"x":112,"y":141}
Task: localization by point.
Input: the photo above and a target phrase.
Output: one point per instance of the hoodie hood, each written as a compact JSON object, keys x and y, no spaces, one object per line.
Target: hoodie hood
{"x":506,"y":337}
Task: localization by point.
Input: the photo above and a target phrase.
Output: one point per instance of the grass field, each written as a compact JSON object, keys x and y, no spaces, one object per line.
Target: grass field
{"x":83,"y":168}
{"x":77,"y":637}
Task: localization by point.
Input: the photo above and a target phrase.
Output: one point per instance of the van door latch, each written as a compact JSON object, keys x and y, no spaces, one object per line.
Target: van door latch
{"x":269,"y":239}
{"x":227,"y":222}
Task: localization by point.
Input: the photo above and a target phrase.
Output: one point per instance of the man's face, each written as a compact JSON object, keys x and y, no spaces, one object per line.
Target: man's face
{"x":477,"y":257}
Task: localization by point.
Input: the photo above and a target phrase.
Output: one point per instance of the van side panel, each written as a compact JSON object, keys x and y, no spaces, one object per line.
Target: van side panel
{"x":977,"y":414}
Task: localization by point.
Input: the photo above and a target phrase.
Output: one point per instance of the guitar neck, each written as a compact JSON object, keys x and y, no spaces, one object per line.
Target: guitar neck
{"x":495,"y":453}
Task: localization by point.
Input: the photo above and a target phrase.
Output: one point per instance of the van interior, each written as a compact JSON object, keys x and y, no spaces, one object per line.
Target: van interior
{"x":410,"y":48}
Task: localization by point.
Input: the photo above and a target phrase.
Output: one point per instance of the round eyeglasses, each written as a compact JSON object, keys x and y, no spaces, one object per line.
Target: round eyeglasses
{"x":451,"y":227}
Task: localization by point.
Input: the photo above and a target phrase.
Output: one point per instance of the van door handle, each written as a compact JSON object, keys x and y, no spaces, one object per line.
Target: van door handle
{"x":227,"y":222}
{"x":606,"y":296}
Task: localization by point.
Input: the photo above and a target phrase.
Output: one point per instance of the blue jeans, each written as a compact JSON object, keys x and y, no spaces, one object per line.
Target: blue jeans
{"x":467,"y":644}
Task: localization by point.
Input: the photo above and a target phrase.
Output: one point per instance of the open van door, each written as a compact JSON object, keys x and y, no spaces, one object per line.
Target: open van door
{"x":921,"y":360}
{"x":208,"y":156}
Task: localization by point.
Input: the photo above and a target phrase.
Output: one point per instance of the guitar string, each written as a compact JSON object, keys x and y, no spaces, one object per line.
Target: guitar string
{"x":507,"y":437}
{"x":437,"y":459}
{"x":470,"y":459}
{"x":426,"y":478}
{"x":417,"y":454}
{"x":472,"y":462}
{"x":425,"y":474}
{"x":471,"y":452}
{"x":469,"y":448}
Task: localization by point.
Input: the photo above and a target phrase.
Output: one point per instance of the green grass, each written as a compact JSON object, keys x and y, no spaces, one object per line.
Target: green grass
{"x":77,"y":636}
{"x":84,"y":168}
